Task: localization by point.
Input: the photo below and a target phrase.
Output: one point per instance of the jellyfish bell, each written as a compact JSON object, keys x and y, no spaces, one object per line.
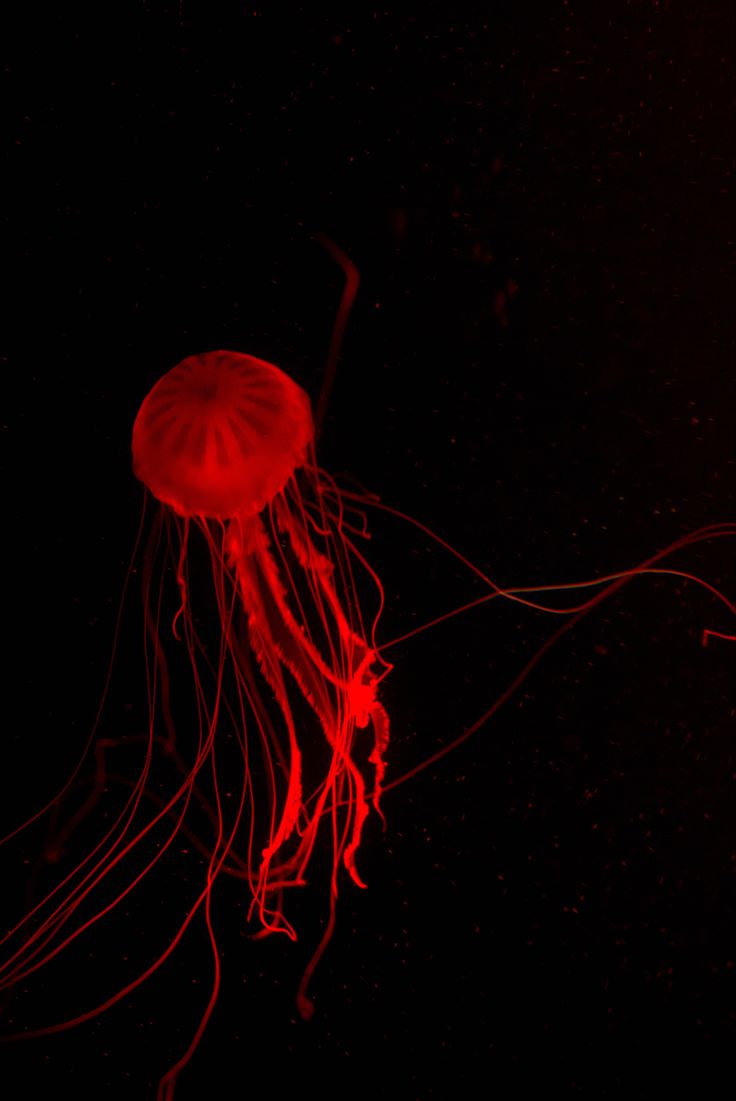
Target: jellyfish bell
{"x":221,"y":434}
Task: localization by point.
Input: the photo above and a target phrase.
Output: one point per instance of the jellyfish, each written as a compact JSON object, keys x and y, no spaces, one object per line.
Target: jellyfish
{"x":289,"y":671}
{"x":225,"y":443}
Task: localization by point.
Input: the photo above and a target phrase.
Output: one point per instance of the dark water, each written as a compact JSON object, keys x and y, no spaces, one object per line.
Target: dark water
{"x":539,"y":366}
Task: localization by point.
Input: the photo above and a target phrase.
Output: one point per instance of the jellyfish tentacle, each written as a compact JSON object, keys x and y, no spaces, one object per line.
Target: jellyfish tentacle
{"x":248,"y":533}
{"x":361,"y":686}
{"x":342,"y":695}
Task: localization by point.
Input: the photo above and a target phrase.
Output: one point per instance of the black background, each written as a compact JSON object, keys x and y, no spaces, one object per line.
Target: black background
{"x":552,"y":904}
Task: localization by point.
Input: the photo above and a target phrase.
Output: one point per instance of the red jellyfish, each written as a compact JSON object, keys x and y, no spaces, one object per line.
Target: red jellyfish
{"x":225,"y":442}
{"x":283,"y":753}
